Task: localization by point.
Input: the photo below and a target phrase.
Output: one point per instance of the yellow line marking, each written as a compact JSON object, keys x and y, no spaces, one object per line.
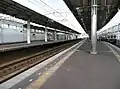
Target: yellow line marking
{"x":47,"y":74}
{"x":43,"y":78}
{"x":114,"y":52}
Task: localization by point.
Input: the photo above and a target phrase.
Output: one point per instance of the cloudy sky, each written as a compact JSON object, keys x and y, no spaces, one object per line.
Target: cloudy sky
{"x":54,"y":9}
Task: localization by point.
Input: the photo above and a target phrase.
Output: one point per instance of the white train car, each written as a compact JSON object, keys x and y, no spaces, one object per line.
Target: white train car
{"x":11,"y":31}
{"x":111,"y":35}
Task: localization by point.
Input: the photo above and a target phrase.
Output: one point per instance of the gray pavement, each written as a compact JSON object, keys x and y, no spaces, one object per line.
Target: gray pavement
{"x":85,"y":71}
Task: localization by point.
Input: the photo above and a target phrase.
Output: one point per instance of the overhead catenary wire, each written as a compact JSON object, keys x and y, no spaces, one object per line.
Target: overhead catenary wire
{"x":53,"y":11}
{"x":37,"y":4}
{"x":45,"y":4}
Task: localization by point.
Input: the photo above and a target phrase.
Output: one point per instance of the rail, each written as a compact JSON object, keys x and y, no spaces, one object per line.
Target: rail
{"x":15,"y":67}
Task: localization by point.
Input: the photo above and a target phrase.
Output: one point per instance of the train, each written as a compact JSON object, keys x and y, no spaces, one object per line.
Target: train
{"x":113,"y":39}
{"x":15,"y":32}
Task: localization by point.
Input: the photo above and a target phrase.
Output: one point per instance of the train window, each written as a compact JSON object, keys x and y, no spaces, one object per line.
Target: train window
{"x":108,"y":36}
{"x":39,"y":31}
{"x":114,"y":36}
{"x":5,"y":26}
{"x":14,"y":27}
{"x":32,"y":30}
{"x":111,"y":36}
{"x":10,"y":26}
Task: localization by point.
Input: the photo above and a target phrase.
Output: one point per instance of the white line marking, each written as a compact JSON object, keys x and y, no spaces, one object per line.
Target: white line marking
{"x":114,"y":52}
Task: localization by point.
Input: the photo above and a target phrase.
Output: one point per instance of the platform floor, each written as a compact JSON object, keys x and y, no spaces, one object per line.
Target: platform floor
{"x":80,"y":71}
{"x":8,"y":47}
{"x":85,"y":71}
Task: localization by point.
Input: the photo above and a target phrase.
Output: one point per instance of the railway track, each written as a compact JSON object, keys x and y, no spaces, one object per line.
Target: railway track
{"x":12,"y":68}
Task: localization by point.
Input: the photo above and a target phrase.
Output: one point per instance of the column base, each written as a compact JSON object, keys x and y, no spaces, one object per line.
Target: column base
{"x":93,"y":52}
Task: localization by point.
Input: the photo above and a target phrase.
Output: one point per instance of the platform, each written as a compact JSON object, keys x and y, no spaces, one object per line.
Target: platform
{"x":80,"y":71}
{"x":13,"y":46}
{"x":85,"y":71}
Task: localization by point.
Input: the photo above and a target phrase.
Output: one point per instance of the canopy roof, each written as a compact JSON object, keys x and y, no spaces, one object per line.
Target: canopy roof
{"x":82,"y":11}
{"x":12,"y":8}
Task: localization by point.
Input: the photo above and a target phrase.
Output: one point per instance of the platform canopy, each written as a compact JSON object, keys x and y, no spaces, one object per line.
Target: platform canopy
{"x":82,"y":11}
{"x":12,"y":8}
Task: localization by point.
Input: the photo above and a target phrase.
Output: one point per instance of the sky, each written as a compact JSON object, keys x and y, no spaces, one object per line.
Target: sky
{"x":54,"y":9}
